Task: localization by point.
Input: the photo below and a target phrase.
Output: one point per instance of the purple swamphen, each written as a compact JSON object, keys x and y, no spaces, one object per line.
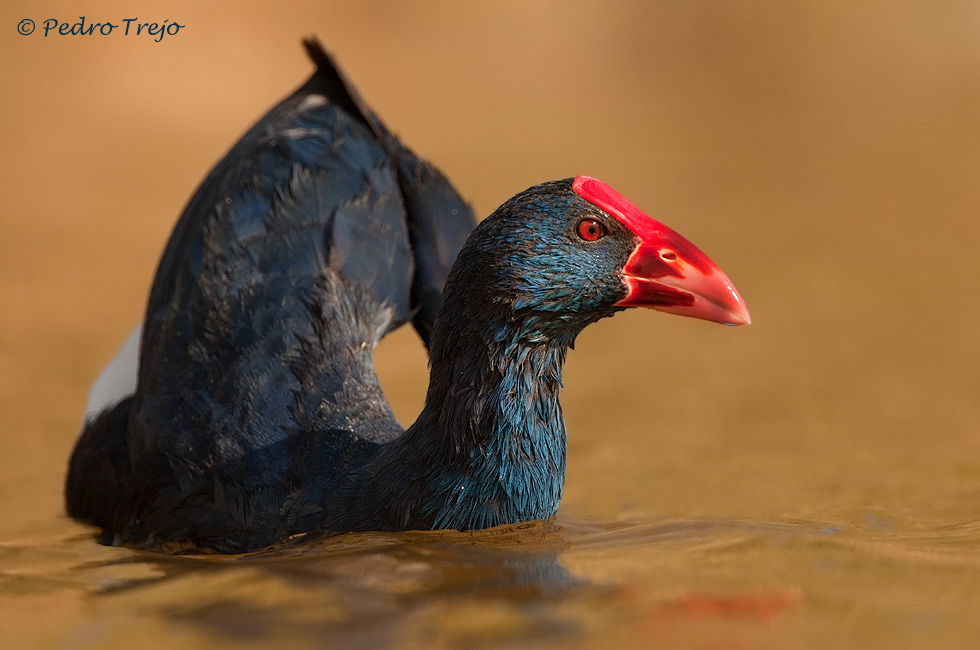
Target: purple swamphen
{"x":256,"y":413}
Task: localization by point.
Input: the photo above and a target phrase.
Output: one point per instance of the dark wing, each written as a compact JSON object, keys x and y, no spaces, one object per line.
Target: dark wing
{"x":439,"y":220}
{"x":314,"y":236}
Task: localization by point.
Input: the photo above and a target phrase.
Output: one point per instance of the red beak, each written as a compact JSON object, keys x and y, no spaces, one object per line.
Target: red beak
{"x":666,"y":272}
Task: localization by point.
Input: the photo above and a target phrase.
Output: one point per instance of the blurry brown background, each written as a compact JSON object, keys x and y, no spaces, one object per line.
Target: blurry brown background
{"x":825,"y":154}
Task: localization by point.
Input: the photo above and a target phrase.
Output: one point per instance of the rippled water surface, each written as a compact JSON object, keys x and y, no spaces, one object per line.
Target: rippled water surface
{"x":691,"y":583}
{"x":811,"y":480}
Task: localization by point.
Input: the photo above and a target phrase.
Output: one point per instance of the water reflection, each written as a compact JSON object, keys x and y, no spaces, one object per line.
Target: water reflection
{"x":688,"y":583}
{"x":366,"y":590}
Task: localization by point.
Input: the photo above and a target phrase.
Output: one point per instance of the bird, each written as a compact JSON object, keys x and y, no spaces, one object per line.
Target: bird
{"x":257,"y":415}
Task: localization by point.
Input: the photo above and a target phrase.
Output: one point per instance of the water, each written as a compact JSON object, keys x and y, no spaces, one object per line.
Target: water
{"x":685,"y":583}
{"x":808,"y":481}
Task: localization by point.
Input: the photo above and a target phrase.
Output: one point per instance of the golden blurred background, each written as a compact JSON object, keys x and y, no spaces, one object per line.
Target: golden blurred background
{"x":825,"y":154}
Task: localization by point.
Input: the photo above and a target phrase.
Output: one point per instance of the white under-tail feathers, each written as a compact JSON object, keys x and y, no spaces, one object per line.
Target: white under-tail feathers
{"x":118,"y":380}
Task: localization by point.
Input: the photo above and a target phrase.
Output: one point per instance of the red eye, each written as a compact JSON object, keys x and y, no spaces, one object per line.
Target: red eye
{"x":591,"y":230}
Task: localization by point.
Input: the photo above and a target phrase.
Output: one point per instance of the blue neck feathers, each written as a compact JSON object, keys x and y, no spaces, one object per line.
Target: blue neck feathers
{"x":501,"y":430}
{"x":489,"y":446}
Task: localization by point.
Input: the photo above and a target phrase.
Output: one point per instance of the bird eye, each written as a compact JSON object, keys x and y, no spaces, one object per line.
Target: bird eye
{"x":591,"y":230}
{"x":668,"y":255}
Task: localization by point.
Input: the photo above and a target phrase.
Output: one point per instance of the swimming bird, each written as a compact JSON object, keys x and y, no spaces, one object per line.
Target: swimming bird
{"x":257,"y":414}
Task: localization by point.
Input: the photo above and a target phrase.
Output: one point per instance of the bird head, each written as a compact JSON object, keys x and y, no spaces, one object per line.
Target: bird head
{"x":563,"y":254}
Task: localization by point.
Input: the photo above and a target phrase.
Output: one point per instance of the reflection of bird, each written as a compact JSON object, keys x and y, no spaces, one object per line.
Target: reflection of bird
{"x":258,"y":414}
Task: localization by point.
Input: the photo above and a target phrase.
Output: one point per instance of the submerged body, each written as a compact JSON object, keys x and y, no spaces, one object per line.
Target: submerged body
{"x":258,"y":415}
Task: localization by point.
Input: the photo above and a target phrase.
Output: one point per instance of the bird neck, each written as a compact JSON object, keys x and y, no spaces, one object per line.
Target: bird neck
{"x":492,"y":424}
